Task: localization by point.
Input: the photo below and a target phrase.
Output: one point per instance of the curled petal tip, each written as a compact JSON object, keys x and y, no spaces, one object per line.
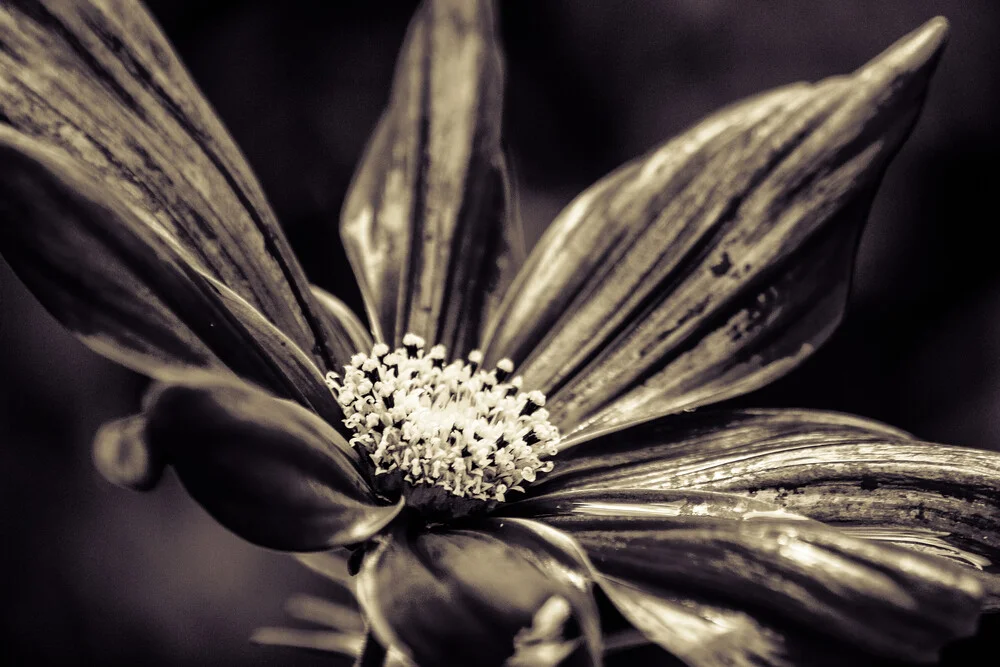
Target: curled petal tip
{"x":123,"y":457}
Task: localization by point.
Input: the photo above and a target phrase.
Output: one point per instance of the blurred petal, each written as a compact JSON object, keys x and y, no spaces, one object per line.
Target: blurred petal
{"x":719,"y":262}
{"x":462,"y":596}
{"x":890,"y":602}
{"x":128,"y":291}
{"x":123,"y":457}
{"x":348,"y":644}
{"x":424,"y":222}
{"x":331,"y":565}
{"x":98,"y":83}
{"x":338,"y":317}
{"x":320,"y":611}
{"x":835,"y":468}
{"x":267,"y":469}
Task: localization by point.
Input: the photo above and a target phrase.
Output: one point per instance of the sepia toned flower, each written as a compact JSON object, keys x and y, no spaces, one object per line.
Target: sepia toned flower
{"x":509,"y":463}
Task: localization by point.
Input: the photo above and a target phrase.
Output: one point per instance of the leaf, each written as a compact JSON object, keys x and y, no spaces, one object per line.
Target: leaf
{"x":425,"y":223}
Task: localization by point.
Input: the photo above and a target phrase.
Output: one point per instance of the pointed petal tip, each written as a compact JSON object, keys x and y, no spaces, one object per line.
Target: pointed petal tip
{"x":917,"y":52}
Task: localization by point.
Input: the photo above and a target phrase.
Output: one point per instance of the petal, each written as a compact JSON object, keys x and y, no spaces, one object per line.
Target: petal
{"x":324,"y":641}
{"x":320,"y":611}
{"x":337,"y":316}
{"x":465,"y":596}
{"x":717,"y":263}
{"x":127,"y":290}
{"x":704,"y":633}
{"x":887,"y":601}
{"x":347,"y":644}
{"x":267,"y":469}
{"x":331,"y":565}
{"x":424,"y":222}
{"x":98,"y":83}
{"x":834,"y":468}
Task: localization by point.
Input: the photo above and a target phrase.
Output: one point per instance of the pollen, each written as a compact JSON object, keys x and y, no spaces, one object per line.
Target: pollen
{"x":458,"y":427}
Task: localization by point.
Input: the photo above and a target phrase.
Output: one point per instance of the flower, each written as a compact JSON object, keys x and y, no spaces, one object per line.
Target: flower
{"x":509,"y":454}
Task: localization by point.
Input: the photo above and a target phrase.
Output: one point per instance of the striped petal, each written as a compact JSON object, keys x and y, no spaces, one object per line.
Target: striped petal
{"x":718,"y":262}
{"x":269,"y":470}
{"x":836,"y":468}
{"x":129,"y":291}
{"x":97,"y":82}
{"x":476,"y":597}
{"x":424,"y":223}
{"x":747,"y":554}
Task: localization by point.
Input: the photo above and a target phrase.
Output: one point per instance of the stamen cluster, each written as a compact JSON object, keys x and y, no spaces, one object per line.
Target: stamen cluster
{"x":471,"y":431}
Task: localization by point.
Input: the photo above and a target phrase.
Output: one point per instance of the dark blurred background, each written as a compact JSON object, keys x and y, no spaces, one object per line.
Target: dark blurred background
{"x":95,"y":575}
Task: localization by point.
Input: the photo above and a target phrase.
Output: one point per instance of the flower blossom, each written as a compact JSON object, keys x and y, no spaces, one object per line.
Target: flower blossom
{"x":504,"y":465}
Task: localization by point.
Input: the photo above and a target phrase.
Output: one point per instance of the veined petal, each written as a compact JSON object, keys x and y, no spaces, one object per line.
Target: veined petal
{"x":97,"y":82}
{"x":267,"y":469}
{"x":126,"y":289}
{"x":887,"y":601}
{"x":425,"y":221}
{"x":717,"y":263}
{"x":835,"y":468}
{"x":473,"y":597}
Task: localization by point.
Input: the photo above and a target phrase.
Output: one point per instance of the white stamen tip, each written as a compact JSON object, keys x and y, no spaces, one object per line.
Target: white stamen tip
{"x":413,"y":340}
{"x":453,"y":425}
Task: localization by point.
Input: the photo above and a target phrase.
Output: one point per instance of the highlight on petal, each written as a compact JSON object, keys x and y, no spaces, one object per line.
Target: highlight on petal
{"x":472,"y":597}
{"x":98,"y":84}
{"x":426,"y":224}
{"x":887,"y":601}
{"x":128,"y":290}
{"x":267,"y":469}
{"x":716,"y":263}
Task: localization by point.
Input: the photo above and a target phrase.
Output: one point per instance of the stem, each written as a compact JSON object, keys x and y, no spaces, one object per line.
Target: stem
{"x":372,"y":654}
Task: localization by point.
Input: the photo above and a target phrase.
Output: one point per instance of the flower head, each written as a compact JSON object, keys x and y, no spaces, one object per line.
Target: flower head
{"x":451,"y":432}
{"x":480,"y":511}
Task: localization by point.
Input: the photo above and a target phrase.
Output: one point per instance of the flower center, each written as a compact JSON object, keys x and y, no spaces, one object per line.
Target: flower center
{"x":455,"y":427}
